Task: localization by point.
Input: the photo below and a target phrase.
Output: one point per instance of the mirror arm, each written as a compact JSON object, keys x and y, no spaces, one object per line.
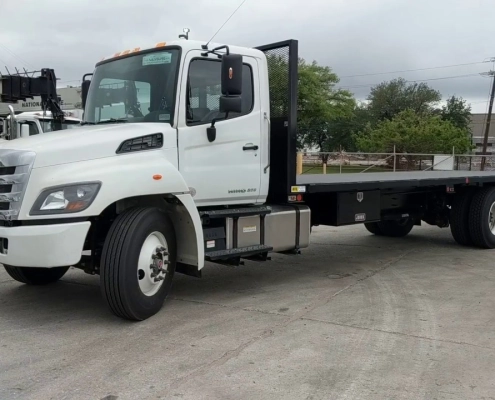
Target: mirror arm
{"x":215,"y":51}
{"x":211,"y":132}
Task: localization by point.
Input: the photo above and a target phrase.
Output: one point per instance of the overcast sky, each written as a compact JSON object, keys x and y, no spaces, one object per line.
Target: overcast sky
{"x":353,"y":37}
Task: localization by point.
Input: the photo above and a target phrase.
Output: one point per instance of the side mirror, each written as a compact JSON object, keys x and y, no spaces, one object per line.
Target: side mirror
{"x":231,"y":100}
{"x":85,"y":89}
{"x":232,"y":75}
{"x":24,"y":130}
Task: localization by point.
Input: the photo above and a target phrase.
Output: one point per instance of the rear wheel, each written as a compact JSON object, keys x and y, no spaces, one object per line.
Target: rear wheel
{"x":482,"y":218}
{"x":36,"y":276}
{"x":138,"y":263}
{"x":373,"y":227}
{"x":398,"y":228}
{"x":459,"y":218}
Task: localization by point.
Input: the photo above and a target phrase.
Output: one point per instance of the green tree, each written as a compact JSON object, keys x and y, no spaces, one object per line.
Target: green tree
{"x":458,"y":112}
{"x":411,"y":132}
{"x":340,"y":132}
{"x":322,"y":108}
{"x":320,"y":105}
{"x":388,"y":99}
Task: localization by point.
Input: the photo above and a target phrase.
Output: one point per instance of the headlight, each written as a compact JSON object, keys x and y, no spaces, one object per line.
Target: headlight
{"x":66,"y":199}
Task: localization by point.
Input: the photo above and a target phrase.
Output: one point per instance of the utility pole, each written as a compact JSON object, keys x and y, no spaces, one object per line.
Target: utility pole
{"x":488,"y":119}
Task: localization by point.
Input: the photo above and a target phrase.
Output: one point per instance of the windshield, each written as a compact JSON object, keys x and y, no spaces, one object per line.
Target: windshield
{"x":139,"y":88}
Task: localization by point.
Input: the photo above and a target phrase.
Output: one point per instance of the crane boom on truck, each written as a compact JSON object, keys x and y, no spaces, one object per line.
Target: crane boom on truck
{"x":14,"y":88}
{"x":188,"y":155}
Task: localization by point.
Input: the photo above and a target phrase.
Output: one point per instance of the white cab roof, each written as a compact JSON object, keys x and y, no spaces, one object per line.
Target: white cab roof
{"x":186,"y":45}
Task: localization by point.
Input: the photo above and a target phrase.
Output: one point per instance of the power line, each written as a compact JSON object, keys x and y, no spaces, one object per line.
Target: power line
{"x":12,"y":54}
{"x":414,"y":70}
{"x":225,"y":23}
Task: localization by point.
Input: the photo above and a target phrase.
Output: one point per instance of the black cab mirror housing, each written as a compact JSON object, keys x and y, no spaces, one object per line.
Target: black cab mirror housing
{"x":231,"y":82}
{"x":230,"y":104}
{"x":231,"y":100}
{"x":231,"y":74}
{"x":85,"y":89}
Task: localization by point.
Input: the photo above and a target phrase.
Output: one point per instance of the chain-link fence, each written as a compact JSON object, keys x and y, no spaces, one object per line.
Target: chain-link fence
{"x":344,"y":162}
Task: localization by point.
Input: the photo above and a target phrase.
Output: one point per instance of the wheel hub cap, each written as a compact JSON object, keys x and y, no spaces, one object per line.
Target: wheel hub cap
{"x":153,"y":264}
{"x":491,"y":218}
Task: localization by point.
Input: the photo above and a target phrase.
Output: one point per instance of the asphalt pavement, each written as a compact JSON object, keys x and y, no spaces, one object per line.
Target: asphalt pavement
{"x":354,"y":317}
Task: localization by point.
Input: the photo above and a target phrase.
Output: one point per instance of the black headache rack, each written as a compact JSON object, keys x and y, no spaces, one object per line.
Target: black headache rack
{"x":282,"y":58}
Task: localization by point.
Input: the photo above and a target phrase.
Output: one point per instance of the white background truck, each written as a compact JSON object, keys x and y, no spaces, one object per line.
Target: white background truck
{"x":188,"y":155}
{"x":31,"y":123}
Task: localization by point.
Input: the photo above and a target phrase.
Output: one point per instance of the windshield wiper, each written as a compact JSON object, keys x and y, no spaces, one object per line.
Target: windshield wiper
{"x":87,"y":123}
{"x":112,"y":120}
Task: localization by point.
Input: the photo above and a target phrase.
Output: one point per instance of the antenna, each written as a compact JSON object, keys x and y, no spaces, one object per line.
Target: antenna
{"x":225,"y":23}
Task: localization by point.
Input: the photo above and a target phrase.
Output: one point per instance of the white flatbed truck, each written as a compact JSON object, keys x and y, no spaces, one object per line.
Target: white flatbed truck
{"x":188,"y":155}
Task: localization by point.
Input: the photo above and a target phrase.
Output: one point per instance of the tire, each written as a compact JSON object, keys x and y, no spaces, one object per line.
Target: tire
{"x":125,"y":272}
{"x":479,"y":218}
{"x":373,"y":227}
{"x":459,"y":218}
{"x":396,"y":228}
{"x":36,"y":276}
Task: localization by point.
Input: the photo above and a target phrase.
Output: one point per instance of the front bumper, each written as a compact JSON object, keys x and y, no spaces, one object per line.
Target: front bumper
{"x":43,"y":246}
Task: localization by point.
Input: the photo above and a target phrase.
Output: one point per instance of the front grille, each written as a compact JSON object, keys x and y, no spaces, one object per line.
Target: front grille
{"x":5,"y":188}
{"x":15,"y":167}
{"x":7,"y":170}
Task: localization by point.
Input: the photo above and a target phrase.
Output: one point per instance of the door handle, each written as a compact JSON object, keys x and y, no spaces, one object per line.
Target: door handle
{"x":250,"y":147}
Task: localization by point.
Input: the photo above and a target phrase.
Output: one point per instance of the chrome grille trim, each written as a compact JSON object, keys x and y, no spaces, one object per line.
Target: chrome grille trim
{"x":23,"y":162}
{"x":11,"y":179}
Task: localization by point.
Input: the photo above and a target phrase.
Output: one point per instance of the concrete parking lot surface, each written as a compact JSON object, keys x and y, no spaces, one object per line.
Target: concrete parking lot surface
{"x":354,"y":317}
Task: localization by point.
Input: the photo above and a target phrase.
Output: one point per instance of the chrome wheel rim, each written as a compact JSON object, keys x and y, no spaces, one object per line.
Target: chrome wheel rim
{"x":491,"y":218}
{"x":153,"y":264}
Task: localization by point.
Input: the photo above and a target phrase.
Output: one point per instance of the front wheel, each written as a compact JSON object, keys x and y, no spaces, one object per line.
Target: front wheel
{"x":36,"y":276}
{"x":138,"y":263}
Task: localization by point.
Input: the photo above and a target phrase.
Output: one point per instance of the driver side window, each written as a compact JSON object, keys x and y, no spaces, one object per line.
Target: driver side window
{"x":204,"y":91}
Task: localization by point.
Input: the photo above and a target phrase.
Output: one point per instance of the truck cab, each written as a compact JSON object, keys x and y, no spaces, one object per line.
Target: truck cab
{"x":175,"y":89}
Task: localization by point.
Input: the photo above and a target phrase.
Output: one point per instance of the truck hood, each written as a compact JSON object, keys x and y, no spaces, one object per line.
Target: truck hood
{"x":86,"y":142}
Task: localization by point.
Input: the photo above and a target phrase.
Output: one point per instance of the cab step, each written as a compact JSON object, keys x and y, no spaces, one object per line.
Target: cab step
{"x":233,"y":256}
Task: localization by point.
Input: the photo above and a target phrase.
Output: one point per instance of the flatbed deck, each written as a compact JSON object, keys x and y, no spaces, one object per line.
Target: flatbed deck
{"x":316,"y":183}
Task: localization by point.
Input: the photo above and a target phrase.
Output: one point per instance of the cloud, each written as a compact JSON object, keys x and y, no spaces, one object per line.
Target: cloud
{"x":351,"y":36}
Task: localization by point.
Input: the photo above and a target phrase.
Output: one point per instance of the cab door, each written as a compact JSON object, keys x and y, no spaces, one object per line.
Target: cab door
{"x":227,"y":169}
